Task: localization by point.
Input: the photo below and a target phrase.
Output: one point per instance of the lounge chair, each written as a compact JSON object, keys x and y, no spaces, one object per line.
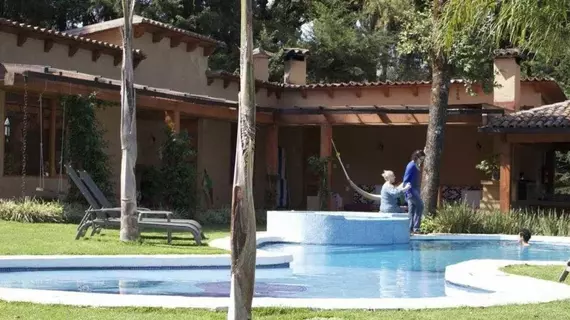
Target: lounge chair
{"x":144,"y":212}
{"x":98,"y":217}
{"x":565,"y":272}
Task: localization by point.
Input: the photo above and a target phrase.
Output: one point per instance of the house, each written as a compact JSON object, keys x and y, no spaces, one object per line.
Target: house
{"x":376,"y":125}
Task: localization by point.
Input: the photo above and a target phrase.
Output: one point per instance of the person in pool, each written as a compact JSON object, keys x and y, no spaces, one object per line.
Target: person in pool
{"x":412,"y":176}
{"x":524,"y":237}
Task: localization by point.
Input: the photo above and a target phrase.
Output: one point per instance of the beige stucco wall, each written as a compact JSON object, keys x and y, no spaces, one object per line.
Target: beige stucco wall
{"x":110,"y":120}
{"x":10,"y":187}
{"x":149,"y":148}
{"x":215,"y":155}
{"x":214,"y":152}
{"x":176,"y":69}
{"x":377,"y":96}
{"x":397,"y":96}
{"x":507,"y":91}
{"x":367,"y":151}
{"x":530,"y":96}
{"x":32,"y":52}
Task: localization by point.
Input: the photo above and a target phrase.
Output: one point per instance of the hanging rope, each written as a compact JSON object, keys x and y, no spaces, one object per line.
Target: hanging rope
{"x":61,"y":154}
{"x":25,"y":137}
{"x":368,"y":195}
{"x":60,"y":179}
{"x":41,"y":183}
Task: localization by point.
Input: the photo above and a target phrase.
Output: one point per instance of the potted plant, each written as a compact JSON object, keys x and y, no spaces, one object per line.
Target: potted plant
{"x":319,"y":168}
{"x":490,"y":167}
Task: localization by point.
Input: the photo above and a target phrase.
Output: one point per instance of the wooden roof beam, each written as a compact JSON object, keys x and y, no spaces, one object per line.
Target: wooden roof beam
{"x":95,"y":55}
{"x":138,"y":31}
{"x":157,"y":37}
{"x":22,"y":37}
{"x":143,"y":100}
{"x":208,"y":51}
{"x":72,"y":50}
{"x":175,"y":41}
{"x":191,"y":46}
{"x":48,"y":44}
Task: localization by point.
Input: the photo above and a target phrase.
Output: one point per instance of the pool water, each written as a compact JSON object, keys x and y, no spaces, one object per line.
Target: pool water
{"x":413,"y":270}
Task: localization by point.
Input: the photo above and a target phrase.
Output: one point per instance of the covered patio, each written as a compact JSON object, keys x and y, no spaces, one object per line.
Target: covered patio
{"x":530,"y":145}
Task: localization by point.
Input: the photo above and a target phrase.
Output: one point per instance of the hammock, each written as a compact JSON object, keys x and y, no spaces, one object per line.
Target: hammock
{"x":368,"y":195}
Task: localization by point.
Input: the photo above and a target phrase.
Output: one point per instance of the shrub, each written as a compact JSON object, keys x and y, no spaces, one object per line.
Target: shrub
{"x":457,"y":219}
{"x":460,"y":218}
{"x":428,"y":225}
{"x":31,"y":210}
{"x":222,"y":216}
{"x":85,"y":144}
{"x":73,"y":212}
{"x":178,"y":172}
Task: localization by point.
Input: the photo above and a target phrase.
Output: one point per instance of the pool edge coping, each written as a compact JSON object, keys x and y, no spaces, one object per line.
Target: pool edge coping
{"x":480,"y":274}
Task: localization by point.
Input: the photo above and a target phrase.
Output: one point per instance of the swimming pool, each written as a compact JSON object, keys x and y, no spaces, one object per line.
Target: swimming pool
{"x":414,"y":270}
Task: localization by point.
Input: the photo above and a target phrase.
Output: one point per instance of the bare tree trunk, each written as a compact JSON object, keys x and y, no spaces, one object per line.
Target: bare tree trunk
{"x":243,"y":241}
{"x":437,"y":118}
{"x":129,"y":223}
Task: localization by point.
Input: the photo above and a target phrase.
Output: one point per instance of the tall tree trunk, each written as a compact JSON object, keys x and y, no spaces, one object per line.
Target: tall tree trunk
{"x":243,"y":241}
{"x":129,"y":223}
{"x":437,"y":118}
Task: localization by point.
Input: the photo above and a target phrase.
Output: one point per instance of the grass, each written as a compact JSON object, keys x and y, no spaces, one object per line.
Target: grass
{"x":47,"y":239}
{"x":550,"y":273}
{"x":550,"y":311}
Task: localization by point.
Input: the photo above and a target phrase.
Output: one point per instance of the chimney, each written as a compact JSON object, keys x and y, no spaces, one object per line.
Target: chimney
{"x":295,"y":66}
{"x":261,"y":64}
{"x":507,"y":70}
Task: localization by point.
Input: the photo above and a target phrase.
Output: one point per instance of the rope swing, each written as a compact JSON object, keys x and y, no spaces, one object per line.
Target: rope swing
{"x":367,"y":195}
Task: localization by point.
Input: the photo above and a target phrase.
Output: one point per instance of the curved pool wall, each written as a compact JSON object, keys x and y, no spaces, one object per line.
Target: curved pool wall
{"x":473,"y":274}
{"x":339,"y":227}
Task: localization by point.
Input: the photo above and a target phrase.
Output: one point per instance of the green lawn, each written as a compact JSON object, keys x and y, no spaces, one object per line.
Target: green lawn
{"x":550,"y":311}
{"x":45,"y":238}
{"x":18,"y":238}
{"x":550,"y":273}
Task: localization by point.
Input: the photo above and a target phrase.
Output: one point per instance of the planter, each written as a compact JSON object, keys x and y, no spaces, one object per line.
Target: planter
{"x":490,"y":195}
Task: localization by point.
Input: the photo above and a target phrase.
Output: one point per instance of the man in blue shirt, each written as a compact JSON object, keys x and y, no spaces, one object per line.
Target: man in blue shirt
{"x":413,"y":195}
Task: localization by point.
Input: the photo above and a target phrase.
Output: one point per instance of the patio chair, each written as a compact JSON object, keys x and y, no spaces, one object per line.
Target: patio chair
{"x":98,"y":217}
{"x":565,"y":272}
{"x":144,"y":212}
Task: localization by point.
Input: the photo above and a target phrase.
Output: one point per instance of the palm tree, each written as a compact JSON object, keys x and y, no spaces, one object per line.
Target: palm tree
{"x":243,"y":243}
{"x":540,"y":26}
{"x":129,"y":223}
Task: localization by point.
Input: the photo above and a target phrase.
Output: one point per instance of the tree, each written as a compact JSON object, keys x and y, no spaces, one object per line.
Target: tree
{"x":538,"y":26}
{"x":129,"y":222}
{"x":469,"y":59}
{"x":243,"y":243}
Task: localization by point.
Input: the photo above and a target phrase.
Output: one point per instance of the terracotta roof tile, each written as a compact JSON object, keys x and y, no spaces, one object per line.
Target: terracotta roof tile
{"x":351,"y":84}
{"x":178,"y":30}
{"x":554,"y":116}
{"x":7,"y":24}
{"x":116,"y":23}
{"x":508,"y":53}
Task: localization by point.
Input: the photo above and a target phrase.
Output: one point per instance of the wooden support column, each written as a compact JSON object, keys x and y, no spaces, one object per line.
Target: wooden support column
{"x":172,"y":119}
{"x":272,"y":161}
{"x":325,"y":152}
{"x":506,"y":152}
{"x":2,"y":137}
{"x":177,"y":121}
{"x":271,"y":149}
{"x":52,"y":137}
